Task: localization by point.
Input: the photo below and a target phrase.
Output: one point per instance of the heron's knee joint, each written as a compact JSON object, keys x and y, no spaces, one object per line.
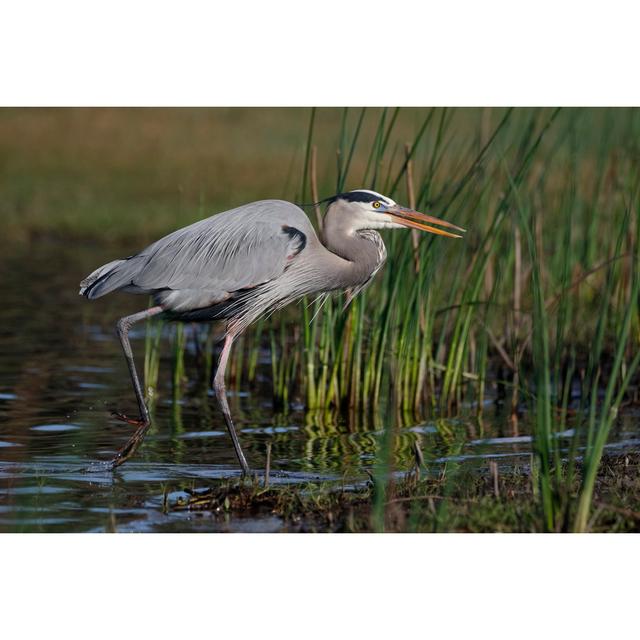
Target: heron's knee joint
{"x":123,"y":326}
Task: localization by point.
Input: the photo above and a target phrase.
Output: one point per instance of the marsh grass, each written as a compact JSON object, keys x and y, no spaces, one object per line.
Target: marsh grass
{"x":546,"y":283}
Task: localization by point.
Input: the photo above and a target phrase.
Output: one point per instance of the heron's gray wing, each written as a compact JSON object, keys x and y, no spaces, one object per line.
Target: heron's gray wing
{"x":209,"y":260}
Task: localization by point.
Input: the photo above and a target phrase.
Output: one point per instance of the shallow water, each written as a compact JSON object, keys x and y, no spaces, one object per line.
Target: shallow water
{"x":62,"y":373}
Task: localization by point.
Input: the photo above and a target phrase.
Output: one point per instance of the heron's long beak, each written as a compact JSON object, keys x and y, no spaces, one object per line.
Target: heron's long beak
{"x":416,"y":220}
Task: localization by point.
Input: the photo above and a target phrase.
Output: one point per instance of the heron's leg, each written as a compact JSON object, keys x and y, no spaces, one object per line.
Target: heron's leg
{"x":123,"y":326}
{"x":221,"y":394}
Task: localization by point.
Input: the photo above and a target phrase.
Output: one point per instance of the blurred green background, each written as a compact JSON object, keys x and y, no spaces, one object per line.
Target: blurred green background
{"x":141,"y":172}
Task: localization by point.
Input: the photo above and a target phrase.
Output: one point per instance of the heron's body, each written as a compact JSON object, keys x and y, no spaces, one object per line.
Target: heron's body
{"x":243,"y":263}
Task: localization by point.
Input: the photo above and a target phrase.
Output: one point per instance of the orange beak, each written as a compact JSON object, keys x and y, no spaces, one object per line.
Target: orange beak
{"x":417,"y":220}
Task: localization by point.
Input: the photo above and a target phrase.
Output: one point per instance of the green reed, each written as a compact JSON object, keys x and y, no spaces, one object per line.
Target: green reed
{"x":552,"y":389}
{"x":153,"y":336}
{"x":401,"y":317}
{"x":541,"y":292}
{"x":179,"y":345}
{"x":620,"y":375}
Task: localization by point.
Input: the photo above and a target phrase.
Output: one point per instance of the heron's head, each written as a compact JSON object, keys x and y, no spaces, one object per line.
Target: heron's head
{"x":370,"y":210}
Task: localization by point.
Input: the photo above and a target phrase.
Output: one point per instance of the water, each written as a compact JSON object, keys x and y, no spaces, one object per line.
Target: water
{"x":62,"y":373}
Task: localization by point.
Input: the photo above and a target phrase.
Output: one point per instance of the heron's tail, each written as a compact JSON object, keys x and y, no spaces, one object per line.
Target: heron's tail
{"x":96,"y":285}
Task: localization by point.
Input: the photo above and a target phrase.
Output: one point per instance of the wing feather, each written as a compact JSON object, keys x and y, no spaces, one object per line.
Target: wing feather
{"x":210,"y":259}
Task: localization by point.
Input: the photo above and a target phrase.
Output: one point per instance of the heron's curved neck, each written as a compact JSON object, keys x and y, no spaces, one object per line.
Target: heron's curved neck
{"x":363,"y":250}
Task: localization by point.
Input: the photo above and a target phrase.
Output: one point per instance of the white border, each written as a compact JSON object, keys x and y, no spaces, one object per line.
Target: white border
{"x":319,"y":586}
{"x":400,"y":52}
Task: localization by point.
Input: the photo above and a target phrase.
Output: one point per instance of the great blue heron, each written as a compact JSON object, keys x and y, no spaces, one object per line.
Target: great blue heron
{"x":243,"y":263}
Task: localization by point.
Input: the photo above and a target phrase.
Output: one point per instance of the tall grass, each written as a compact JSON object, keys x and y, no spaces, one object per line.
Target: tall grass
{"x":542,"y":291}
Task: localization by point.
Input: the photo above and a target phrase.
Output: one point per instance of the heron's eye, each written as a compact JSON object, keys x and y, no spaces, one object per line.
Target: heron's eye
{"x":376,"y":204}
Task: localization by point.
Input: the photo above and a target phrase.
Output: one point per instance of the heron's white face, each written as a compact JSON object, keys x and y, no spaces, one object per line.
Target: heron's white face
{"x":367,"y":209}
{"x":371,"y":210}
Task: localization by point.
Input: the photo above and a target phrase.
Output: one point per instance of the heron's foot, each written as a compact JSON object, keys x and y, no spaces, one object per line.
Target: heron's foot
{"x":138,"y":422}
{"x":122,"y":456}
